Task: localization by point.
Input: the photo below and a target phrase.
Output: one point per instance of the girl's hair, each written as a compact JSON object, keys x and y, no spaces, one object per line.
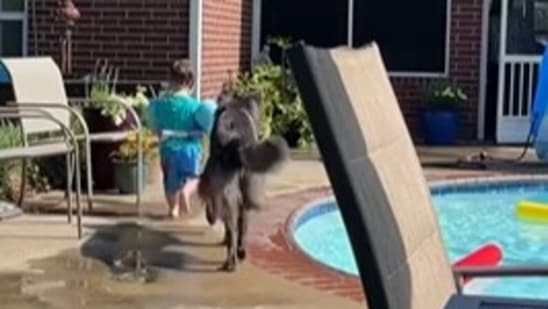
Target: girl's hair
{"x":182,"y":73}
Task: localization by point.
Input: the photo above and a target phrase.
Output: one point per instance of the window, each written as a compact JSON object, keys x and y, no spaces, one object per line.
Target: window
{"x":413,"y":35}
{"x":316,"y":22}
{"x":12,"y":28}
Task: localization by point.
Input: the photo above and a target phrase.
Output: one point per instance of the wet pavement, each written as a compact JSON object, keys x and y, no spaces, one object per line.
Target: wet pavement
{"x":186,"y":276}
{"x":43,"y":265}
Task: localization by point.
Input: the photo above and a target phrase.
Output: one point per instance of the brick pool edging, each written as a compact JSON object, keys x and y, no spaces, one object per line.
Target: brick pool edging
{"x":270,"y":250}
{"x":273,"y":250}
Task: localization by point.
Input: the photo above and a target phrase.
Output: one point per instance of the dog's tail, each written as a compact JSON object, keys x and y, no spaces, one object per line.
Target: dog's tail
{"x":267,"y":156}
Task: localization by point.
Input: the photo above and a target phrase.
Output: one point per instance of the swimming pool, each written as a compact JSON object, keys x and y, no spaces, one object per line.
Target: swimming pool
{"x":469,"y":214}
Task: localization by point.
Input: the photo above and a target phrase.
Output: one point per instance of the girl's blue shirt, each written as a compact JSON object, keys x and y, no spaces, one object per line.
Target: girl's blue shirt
{"x":176,"y":112}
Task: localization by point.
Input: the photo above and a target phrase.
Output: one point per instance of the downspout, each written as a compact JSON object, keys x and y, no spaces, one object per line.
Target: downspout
{"x":195,"y":42}
{"x":482,"y":93}
{"x":256,"y":30}
{"x":350,"y":25}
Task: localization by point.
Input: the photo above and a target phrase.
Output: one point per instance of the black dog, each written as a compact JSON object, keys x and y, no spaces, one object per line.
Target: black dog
{"x":232,"y":183}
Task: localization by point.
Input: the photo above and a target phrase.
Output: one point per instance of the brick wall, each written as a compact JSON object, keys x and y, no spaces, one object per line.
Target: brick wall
{"x":142,"y":37}
{"x":465,"y":47}
{"x":226,"y":41}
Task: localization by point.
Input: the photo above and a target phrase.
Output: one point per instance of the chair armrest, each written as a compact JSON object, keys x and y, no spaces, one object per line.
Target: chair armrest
{"x":71,"y":110}
{"x":37,"y":113}
{"x":498,"y":271}
{"x":502,"y":271}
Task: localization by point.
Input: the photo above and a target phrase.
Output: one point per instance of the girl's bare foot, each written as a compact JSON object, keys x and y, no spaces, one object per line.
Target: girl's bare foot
{"x":184,"y":201}
{"x":173,"y":206}
{"x":174,"y":212}
{"x":185,"y":193}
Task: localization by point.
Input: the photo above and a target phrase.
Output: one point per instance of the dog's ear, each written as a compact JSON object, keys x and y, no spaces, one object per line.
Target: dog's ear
{"x":228,"y":91}
{"x":225,"y":98}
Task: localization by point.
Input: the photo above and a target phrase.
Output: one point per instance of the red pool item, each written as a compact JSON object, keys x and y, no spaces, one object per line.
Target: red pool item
{"x":486,"y":255}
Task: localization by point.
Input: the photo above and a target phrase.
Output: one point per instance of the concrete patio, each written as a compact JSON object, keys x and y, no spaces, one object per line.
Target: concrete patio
{"x":44,"y":266}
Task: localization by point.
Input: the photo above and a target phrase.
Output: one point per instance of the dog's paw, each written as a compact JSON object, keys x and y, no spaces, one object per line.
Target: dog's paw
{"x":229,"y":266}
{"x":210,"y":218}
{"x":242,"y":254}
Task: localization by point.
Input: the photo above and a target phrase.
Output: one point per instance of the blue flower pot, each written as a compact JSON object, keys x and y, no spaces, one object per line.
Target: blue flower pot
{"x":440,"y":126}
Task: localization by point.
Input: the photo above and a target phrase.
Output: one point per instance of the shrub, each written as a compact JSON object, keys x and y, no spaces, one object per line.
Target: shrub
{"x":282,"y":110}
{"x":10,"y":171}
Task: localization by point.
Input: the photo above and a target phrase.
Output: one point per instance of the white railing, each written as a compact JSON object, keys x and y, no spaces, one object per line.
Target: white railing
{"x":520,"y":74}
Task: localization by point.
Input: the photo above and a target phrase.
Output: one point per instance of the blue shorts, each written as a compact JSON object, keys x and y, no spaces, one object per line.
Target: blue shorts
{"x":178,"y":167}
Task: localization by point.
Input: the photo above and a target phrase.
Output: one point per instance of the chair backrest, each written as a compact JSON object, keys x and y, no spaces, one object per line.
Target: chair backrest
{"x":376,"y":176}
{"x":38,"y":80}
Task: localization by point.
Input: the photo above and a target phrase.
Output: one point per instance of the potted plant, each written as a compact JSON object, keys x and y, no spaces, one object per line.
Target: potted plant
{"x":441,"y":115}
{"x":124,"y":160}
{"x":103,"y":113}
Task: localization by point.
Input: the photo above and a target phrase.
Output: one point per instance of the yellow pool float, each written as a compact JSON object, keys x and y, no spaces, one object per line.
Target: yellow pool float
{"x":531,"y":210}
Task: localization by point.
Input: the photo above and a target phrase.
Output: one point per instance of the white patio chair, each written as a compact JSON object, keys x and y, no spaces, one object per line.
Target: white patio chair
{"x":35,"y":121}
{"x":38,"y":83}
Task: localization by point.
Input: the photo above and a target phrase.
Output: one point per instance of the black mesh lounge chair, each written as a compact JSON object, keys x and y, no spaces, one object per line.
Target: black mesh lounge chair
{"x":379,"y":185}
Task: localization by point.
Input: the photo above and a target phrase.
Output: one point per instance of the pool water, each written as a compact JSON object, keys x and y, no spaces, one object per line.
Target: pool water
{"x":468,"y":219}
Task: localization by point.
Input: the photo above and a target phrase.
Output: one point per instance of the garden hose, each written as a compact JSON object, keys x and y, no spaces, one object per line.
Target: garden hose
{"x":483,"y":156}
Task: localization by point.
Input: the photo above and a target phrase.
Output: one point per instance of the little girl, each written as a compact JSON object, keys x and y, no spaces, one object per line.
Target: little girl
{"x":172,"y":119}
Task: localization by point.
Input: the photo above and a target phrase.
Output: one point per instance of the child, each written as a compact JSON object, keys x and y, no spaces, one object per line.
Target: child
{"x":172,"y":119}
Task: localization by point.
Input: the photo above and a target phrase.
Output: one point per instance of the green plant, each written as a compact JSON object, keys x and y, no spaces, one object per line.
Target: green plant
{"x":127,"y":152}
{"x":10,"y":171}
{"x":282,"y":109}
{"x":10,"y":136}
{"x":103,"y":95}
{"x":445,"y":94}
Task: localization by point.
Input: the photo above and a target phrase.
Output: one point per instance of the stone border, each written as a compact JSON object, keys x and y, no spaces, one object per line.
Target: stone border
{"x":466,"y":183}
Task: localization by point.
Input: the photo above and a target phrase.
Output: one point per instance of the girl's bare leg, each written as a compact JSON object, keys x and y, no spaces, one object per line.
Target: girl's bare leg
{"x":184,"y":199}
{"x":172,"y":201}
{"x":172,"y":198}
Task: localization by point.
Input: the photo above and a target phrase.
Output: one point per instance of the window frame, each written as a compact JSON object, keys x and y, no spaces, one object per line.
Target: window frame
{"x":18,"y":16}
{"x":256,"y":39}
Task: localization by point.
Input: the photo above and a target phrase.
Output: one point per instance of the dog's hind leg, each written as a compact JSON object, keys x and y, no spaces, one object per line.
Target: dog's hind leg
{"x":243,"y":222}
{"x":252,"y":187}
{"x":210,"y":199}
{"x":212,"y":210}
{"x":226,"y":238}
{"x":231,"y":224}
